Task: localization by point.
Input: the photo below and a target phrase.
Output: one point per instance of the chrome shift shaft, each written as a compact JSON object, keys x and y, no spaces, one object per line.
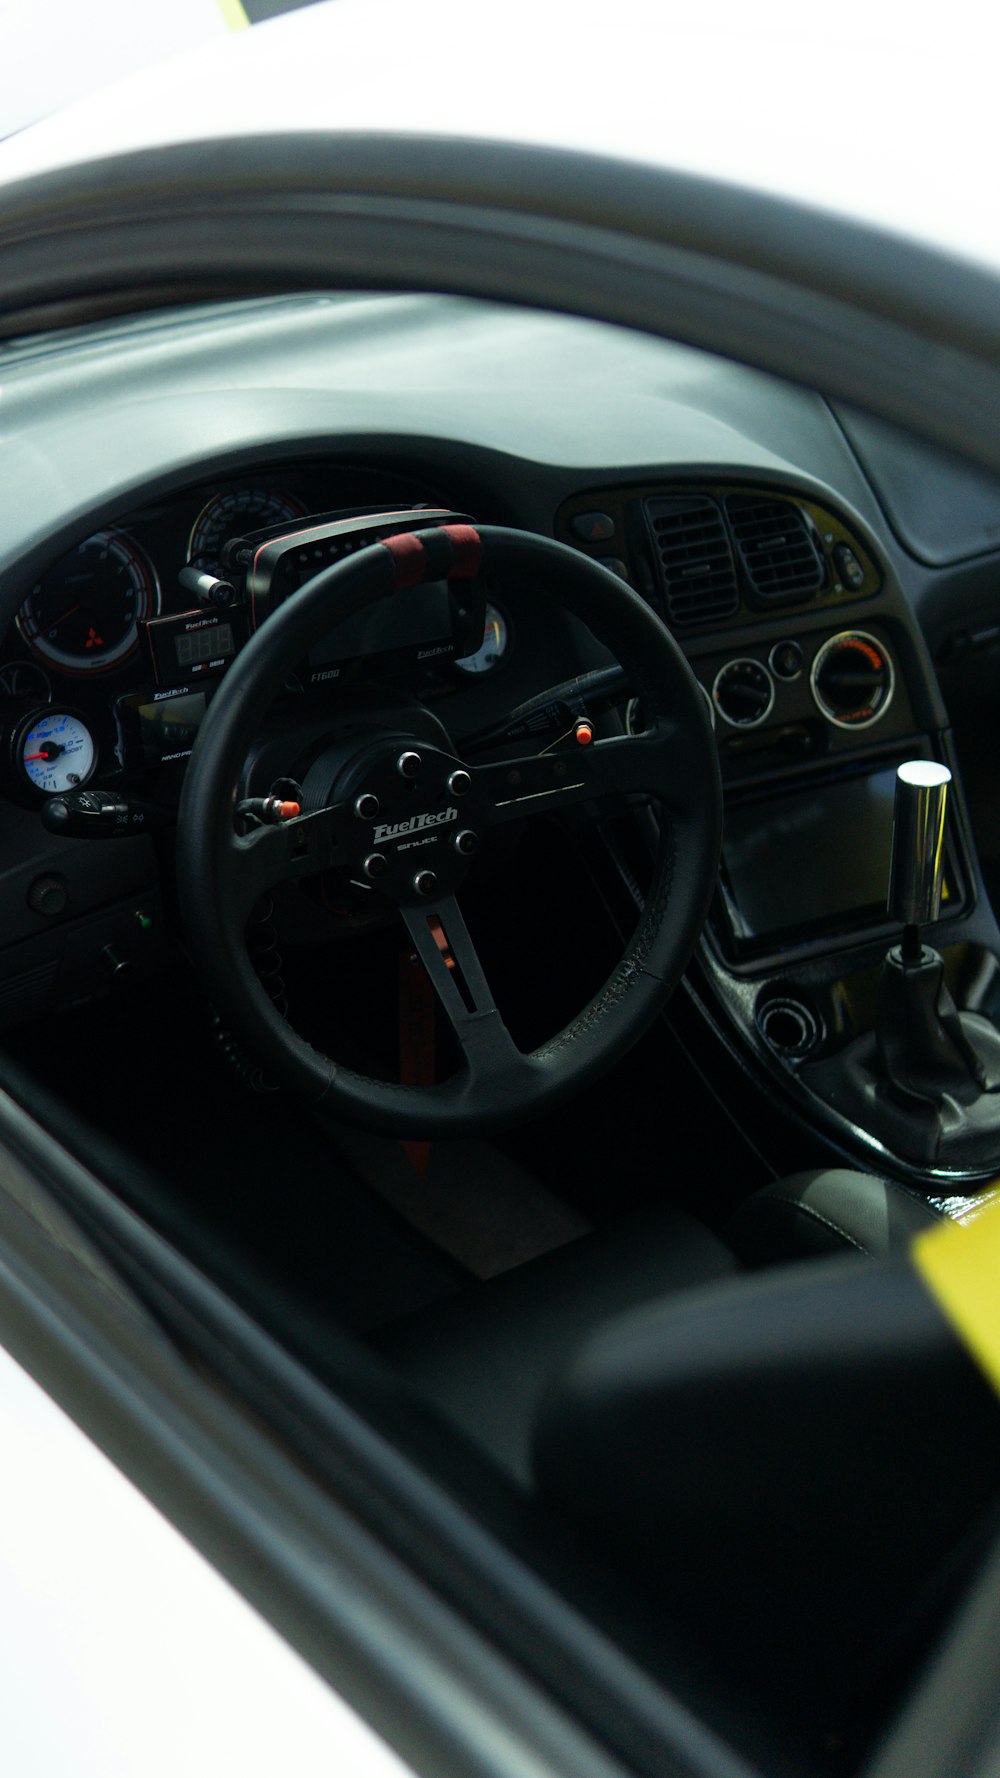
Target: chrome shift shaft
{"x":917,"y":870}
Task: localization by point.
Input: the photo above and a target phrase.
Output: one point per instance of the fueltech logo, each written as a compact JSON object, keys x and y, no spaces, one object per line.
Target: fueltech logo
{"x":396,"y":830}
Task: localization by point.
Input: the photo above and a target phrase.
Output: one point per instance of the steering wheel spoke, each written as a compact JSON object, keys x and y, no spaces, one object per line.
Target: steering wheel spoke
{"x":444,"y":945}
{"x":651,"y":762}
{"x":259,"y":861}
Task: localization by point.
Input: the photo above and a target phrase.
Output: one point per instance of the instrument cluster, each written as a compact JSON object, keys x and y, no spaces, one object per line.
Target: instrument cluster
{"x":76,"y":667}
{"x":83,"y":617}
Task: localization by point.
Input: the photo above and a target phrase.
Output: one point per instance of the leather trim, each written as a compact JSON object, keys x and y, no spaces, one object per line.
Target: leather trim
{"x":808,"y":1210}
{"x":824,"y":1211}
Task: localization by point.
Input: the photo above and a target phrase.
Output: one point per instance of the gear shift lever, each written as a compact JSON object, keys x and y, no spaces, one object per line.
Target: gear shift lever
{"x":926,"y":1081}
{"x":924,"y":1051}
{"x":917,"y":869}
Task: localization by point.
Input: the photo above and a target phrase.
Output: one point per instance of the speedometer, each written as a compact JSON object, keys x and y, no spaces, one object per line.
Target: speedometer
{"x":84,"y":616}
{"x":230,"y":515}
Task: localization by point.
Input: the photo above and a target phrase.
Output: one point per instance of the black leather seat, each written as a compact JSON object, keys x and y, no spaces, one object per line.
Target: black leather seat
{"x":803,"y":1462}
{"x":799,"y":1463}
{"x":485,"y":1358}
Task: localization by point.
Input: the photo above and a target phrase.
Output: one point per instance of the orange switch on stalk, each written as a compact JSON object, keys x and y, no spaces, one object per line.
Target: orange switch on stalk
{"x":584,"y":734}
{"x":274,"y":808}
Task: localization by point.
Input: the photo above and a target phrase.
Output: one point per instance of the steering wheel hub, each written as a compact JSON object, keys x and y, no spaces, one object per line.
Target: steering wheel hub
{"x":417,"y":815}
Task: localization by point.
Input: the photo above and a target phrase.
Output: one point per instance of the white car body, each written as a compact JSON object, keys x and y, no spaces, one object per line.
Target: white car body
{"x":123,"y":1651}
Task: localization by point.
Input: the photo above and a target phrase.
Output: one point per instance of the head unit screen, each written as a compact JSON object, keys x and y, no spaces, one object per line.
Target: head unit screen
{"x":815,"y":858}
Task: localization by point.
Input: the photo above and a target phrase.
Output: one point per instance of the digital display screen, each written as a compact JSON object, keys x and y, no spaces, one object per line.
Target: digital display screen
{"x":194,"y":643}
{"x":816,"y":858}
{"x":197,"y":646}
{"x":421,"y":615}
{"x":167,"y":729}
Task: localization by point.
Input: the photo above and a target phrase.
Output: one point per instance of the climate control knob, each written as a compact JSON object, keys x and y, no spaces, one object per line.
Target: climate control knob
{"x":743,"y":693}
{"x":852,"y":679}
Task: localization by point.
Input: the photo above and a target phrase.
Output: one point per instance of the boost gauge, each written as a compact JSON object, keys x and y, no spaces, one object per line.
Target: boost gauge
{"x":54,"y":751}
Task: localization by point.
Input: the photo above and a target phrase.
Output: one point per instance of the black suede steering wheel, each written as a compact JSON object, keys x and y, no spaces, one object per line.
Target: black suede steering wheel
{"x":439,"y":799}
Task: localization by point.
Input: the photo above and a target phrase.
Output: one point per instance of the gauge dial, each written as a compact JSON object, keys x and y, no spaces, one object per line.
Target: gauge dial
{"x":26,"y":681}
{"x":494,"y":646}
{"x":55,"y":751}
{"x":84,"y":616}
{"x":852,"y":679}
{"x":743,"y":693}
{"x":231,"y":515}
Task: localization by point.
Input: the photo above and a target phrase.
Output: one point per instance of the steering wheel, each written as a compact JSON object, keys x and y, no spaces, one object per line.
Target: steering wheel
{"x":393,"y":789}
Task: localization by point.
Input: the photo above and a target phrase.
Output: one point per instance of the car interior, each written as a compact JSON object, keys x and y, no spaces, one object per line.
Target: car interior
{"x":499,"y":835}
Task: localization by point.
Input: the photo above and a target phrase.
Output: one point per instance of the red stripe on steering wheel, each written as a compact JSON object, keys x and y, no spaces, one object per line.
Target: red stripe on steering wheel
{"x":468,"y":547}
{"x":409,"y":561}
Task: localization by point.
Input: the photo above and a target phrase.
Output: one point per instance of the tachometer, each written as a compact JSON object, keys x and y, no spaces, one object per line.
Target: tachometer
{"x":84,"y":616}
{"x":229,"y":515}
{"x":55,"y":751}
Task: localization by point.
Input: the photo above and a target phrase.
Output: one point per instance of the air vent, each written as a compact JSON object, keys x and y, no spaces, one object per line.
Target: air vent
{"x":780,"y":559}
{"x":696,"y":564}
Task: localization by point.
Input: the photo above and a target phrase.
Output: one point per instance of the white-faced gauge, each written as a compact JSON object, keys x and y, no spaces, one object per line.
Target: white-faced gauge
{"x":54,"y":750}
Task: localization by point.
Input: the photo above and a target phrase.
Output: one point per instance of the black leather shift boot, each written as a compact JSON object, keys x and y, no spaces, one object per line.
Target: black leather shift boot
{"x":926,"y":1082}
{"x":923,"y":1046}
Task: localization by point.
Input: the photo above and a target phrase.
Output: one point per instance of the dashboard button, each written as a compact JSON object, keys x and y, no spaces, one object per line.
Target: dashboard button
{"x":593,"y":527}
{"x":848,"y":567}
{"x":785,"y":660}
{"x":49,"y":895}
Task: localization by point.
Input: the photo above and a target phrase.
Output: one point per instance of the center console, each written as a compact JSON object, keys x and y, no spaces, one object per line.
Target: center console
{"x":820,"y":687}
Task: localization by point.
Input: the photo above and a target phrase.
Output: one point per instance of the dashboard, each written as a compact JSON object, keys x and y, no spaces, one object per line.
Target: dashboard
{"x":780,"y":542}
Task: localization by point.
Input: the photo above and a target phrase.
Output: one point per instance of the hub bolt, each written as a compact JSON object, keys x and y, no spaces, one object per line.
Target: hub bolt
{"x":459,"y":783}
{"x":466,"y":842}
{"x":408,"y":764}
{"x":366,"y":806}
{"x":425,"y":882}
{"x":376,"y":865}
